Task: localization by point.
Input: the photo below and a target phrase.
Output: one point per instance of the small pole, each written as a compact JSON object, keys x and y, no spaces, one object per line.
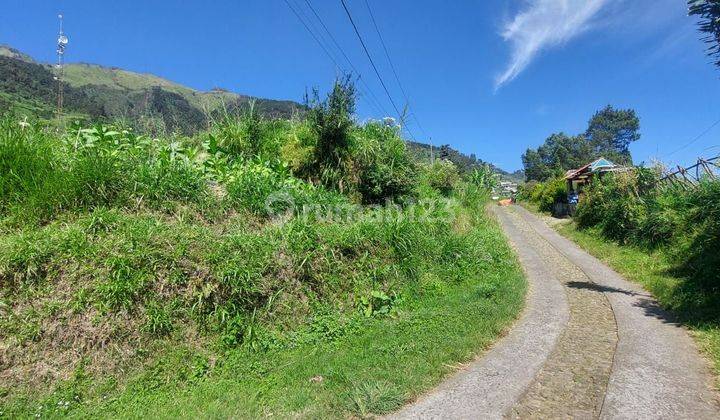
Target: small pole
{"x":432,"y":154}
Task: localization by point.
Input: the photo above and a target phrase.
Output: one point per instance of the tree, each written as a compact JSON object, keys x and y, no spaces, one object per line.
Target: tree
{"x":709,"y":13}
{"x":535,"y":168}
{"x":610,"y":132}
{"x":557,"y":154}
{"x":445,"y":152}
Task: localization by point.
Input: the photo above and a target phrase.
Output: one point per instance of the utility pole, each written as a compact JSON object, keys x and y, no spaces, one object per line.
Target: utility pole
{"x":62,"y":41}
{"x":432,"y":154}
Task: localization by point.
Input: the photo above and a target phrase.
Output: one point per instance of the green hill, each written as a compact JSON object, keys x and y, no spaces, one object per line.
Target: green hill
{"x":148,"y":102}
{"x":107,"y":93}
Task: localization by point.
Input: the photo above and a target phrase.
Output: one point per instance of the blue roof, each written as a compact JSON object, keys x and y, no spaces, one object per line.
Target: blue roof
{"x":601,"y":163}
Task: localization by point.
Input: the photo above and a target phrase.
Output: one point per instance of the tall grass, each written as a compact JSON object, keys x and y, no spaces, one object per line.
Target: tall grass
{"x":630,"y":209}
{"x":113,"y":237}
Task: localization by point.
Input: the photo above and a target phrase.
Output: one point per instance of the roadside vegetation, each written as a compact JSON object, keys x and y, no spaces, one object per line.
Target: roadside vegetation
{"x":663,"y":236}
{"x":633,"y":209}
{"x":304,"y":267}
{"x":655,"y":270}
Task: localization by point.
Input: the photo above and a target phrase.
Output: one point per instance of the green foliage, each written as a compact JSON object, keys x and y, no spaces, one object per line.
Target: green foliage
{"x":145,"y":244}
{"x":27,"y":161}
{"x":627,"y":208}
{"x":89,"y":168}
{"x":613,"y":203}
{"x":377,"y":303}
{"x":698,"y":251}
{"x":331,"y":120}
{"x":608,"y":135}
{"x":484,"y":178}
{"x":249,"y":136}
{"x":610,"y":132}
{"x":385,"y":169}
{"x":374,"y":397}
{"x":441,"y":175}
{"x":544,"y":194}
{"x":556,"y":155}
{"x":268,"y":191}
{"x":709,"y":13}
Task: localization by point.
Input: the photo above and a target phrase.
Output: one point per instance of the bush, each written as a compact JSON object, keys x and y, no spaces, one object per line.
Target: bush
{"x":386,"y":170}
{"x":698,"y":253}
{"x":332,"y":121}
{"x":265,"y":191}
{"x":441,"y":175}
{"x":551,"y":192}
{"x":629,"y":208}
{"x":544,"y":194}
{"x":249,"y":136}
{"x":616,"y":203}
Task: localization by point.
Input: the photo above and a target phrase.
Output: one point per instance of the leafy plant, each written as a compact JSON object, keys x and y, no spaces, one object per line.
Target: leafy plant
{"x":377,"y":303}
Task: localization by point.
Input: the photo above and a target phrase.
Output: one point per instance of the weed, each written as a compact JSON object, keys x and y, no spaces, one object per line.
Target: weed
{"x":374,"y":397}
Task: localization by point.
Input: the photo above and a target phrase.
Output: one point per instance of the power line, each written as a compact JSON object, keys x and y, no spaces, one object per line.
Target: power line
{"x":696,"y":138}
{"x":317,"y":40}
{"x":392,"y":67}
{"x":342,"y":51}
{"x":313,"y":35}
{"x":377,"y":73}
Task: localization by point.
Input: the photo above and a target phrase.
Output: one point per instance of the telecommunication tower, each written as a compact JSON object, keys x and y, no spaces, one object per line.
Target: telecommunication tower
{"x":62,"y":42}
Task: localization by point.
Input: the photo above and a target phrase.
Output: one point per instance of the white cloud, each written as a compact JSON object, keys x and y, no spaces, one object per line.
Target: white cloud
{"x":543,"y":24}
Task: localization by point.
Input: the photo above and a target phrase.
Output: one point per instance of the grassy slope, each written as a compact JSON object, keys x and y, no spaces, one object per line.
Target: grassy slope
{"x":650,"y":269}
{"x":77,"y":74}
{"x":372,"y":365}
{"x":90,"y":74}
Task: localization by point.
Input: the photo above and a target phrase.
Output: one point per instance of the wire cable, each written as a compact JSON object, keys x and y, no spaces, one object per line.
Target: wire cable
{"x":319,"y":42}
{"x":698,"y":137}
{"x":392,"y":67}
{"x":377,"y":73}
{"x":342,"y":51}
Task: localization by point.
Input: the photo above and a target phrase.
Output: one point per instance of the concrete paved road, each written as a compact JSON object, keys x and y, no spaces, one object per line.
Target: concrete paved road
{"x":637,"y":363}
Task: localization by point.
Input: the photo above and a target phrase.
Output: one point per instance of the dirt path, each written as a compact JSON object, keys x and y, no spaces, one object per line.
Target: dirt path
{"x":613,"y":353}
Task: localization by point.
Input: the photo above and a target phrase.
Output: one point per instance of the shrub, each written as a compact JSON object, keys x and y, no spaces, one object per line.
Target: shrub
{"x":546,"y":194}
{"x":618,"y":204}
{"x":484,"y":178}
{"x":30,"y":168}
{"x":248,"y":136}
{"x":441,"y":175}
{"x":386,"y":170}
{"x":627,"y":207}
{"x":266,"y":191}
{"x":698,"y":253}
{"x":665,"y":211}
{"x":298,"y":148}
{"x":331,"y":121}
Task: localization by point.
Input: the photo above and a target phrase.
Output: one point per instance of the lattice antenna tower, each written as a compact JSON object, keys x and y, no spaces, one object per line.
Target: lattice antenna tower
{"x":62,"y":42}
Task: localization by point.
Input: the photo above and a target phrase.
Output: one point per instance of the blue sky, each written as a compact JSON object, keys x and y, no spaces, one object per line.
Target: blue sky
{"x":490,"y":77}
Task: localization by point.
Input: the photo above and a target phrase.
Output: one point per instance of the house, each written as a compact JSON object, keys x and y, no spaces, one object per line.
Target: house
{"x":578,"y":178}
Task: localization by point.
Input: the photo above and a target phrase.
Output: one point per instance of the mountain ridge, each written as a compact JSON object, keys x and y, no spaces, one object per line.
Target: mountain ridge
{"x":107,"y":92}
